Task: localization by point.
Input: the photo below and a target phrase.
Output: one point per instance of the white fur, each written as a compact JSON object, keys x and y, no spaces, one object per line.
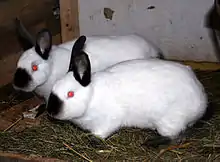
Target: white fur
{"x":155,"y":94}
{"x":103,"y":51}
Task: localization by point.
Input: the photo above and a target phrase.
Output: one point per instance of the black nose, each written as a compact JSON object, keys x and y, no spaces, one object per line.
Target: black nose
{"x":21,"y":78}
{"x":54,"y":105}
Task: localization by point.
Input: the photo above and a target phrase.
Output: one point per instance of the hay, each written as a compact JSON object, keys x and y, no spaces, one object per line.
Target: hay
{"x":65,"y":141}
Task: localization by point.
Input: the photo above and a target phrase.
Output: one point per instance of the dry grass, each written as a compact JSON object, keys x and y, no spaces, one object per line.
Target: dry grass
{"x":56,"y":139}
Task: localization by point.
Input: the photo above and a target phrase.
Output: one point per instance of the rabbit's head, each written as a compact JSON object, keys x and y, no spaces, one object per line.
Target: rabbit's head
{"x":70,"y":95}
{"x":33,"y":67}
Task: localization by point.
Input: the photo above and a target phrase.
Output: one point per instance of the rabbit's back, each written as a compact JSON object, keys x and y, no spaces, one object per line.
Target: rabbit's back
{"x":150,"y":93}
{"x":106,"y":51}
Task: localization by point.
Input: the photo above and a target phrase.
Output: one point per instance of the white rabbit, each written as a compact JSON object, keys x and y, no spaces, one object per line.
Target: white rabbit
{"x":156,"y":94}
{"x":40,"y":66}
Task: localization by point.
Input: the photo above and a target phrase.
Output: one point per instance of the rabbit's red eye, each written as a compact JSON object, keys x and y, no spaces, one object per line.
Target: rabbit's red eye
{"x":34,"y":67}
{"x":70,"y":94}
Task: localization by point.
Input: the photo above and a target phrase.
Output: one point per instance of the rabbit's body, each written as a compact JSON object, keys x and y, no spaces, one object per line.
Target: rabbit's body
{"x":153,"y":93}
{"x":116,"y":48}
{"x":103,"y":51}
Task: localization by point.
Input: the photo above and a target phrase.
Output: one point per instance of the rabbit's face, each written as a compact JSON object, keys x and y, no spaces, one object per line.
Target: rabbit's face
{"x":33,"y":67}
{"x":32,"y":71}
{"x":70,"y":96}
{"x":69,"y":99}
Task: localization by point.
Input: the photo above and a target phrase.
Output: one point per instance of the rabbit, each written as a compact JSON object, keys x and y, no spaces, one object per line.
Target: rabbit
{"x":157,"y":94}
{"x":39,"y":67}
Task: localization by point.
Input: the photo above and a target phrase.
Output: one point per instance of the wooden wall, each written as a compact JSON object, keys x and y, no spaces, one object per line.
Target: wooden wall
{"x":34,"y":14}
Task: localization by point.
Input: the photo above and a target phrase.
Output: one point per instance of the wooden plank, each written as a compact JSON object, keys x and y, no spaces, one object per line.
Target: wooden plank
{"x":204,"y":66}
{"x":69,"y":19}
{"x":29,"y":11}
{"x":24,"y":158}
{"x":12,"y":114}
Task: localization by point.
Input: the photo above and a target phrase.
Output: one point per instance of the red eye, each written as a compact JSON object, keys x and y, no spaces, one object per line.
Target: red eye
{"x":70,"y":94}
{"x":34,"y":67}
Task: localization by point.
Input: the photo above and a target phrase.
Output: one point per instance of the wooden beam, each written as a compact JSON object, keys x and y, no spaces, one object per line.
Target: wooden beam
{"x":204,"y":66}
{"x":69,"y":19}
{"x":21,"y":157}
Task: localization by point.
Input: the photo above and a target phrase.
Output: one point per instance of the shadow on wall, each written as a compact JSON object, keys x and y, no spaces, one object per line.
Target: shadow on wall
{"x":212,"y":21}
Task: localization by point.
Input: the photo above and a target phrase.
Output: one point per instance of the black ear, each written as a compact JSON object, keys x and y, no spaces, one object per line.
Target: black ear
{"x":82,"y":69}
{"x":25,"y":39}
{"x":76,"y":50}
{"x":79,"y":45}
{"x":79,"y":62}
{"x":43,"y":43}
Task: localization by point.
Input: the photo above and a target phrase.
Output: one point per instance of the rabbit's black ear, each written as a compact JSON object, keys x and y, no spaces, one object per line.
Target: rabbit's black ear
{"x":80,"y":63}
{"x":43,"y":43}
{"x":25,"y":39}
{"x":78,"y":46}
{"x":82,"y":68}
